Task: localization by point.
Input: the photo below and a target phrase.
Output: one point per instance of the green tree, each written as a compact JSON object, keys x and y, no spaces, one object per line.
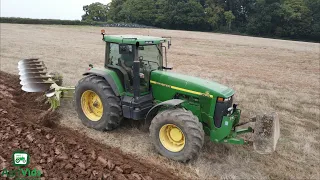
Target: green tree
{"x":314,"y":6}
{"x":229,"y":18}
{"x":214,"y":14}
{"x":180,"y":14}
{"x":189,"y":15}
{"x":165,"y":12}
{"x":95,"y":12}
{"x":139,"y":11}
{"x":281,"y":18}
{"x":241,"y":9}
{"x":265,"y":18}
{"x":115,"y":13}
{"x":296,"y":19}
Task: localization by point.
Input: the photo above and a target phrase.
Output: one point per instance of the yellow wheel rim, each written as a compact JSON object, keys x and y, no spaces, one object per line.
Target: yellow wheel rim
{"x":172,"y":138}
{"x":91,"y":105}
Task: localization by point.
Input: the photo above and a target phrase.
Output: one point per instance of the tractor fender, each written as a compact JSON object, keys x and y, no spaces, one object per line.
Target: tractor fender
{"x":154,"y":110}
{"x":106,"y":76}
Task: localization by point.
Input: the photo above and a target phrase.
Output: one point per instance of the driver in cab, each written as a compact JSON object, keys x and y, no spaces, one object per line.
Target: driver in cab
{"x":126,"y":62}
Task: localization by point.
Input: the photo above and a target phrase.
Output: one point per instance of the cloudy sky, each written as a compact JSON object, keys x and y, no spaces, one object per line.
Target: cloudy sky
{"x":44,"y":9}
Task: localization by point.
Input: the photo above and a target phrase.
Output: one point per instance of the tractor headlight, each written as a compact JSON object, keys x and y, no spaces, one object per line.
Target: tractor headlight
{"x":220,"y":99}
{"x":223,"y":108}
{"x":230,"y":110}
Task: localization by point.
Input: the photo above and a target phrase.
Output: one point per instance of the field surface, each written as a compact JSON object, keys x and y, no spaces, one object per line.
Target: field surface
{"x":267,"y":74}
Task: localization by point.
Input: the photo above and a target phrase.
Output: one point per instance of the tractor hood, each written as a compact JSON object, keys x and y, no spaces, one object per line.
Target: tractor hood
{"x":189,"y":84}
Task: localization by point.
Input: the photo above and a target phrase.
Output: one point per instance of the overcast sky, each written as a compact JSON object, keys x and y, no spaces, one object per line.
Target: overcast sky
{"x":44,"y":9}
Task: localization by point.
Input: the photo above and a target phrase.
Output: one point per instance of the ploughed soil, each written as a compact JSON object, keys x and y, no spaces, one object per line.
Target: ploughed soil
{"x":60,"y":153}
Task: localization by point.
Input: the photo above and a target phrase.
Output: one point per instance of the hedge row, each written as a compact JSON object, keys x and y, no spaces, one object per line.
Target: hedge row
{"x":40,"y":21}
{"x":68,"y":22}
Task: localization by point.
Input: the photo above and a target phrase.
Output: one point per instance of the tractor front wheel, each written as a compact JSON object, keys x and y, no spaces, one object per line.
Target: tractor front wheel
{"x":177,"y":134}
{"x":96,"y":104}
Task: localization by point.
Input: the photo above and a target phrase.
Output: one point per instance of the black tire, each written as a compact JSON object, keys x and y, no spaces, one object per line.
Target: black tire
{"x":112,"y":112}
{"x":188,"y":124}
{"x":57,"y":78}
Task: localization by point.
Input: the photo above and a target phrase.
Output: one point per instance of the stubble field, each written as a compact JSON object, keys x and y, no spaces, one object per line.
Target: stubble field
{"x":267,"y":75}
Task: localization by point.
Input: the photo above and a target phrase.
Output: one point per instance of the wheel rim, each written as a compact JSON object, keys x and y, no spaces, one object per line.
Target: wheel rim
{"x":172,"y":138}
{"x":91,"y":105}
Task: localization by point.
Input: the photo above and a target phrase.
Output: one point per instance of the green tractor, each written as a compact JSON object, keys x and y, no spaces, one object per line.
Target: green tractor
{"x":136,"y":83}
{"x":22,"y":159}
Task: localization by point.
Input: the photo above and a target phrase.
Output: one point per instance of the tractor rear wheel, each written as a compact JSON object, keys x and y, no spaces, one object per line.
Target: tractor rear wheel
{"x":177,"y":134}
{"x":96,"y":104}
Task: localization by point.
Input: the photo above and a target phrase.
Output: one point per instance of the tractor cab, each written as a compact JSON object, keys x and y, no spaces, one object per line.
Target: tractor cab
{"x":133,"y":58}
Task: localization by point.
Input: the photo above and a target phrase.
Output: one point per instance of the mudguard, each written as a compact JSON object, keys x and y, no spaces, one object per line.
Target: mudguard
{"x":154,"y":110}
{"x":110,"y":76}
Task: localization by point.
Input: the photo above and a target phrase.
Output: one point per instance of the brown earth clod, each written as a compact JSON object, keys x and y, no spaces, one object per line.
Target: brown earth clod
{"x":56,"y":151}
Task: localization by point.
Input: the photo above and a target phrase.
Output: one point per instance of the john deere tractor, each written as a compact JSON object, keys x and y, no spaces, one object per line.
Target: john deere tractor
{"x":136,"y":83}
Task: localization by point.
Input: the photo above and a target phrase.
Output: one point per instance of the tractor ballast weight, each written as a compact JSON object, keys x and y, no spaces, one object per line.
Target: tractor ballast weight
{"x":135,"y":84}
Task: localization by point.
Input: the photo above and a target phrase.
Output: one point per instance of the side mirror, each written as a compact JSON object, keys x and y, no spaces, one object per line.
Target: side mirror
{"x":168,"y":39}
{"x":125,"y":49}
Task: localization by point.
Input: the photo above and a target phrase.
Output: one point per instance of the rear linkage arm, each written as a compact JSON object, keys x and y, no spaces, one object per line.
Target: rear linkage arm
{"x":55,"y":94}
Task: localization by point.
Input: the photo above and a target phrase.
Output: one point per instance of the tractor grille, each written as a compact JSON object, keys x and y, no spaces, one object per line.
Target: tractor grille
{"x":220,"y":111}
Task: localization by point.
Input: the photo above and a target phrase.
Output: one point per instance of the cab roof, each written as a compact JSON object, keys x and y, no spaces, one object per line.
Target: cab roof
{"x":133,"y":39}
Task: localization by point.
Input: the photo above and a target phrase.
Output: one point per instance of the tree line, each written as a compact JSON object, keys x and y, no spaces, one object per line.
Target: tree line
{"x":15,"y":20}
{"x":294,"y":19}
